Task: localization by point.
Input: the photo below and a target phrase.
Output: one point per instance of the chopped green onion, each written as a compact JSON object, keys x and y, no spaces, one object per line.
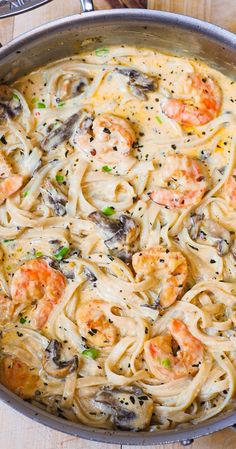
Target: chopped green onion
{"x":158,"y":119}
{"x":16,"y":97}
{"x":102,"y":51}
{"x":8,"y":241}
{"x":23,"y":319}
{"x":41,"y":105}
{"x":25,"y":193}
{"x":38,"y":254}
{"x":91,"y":353}
{"x":35,"y":100}
{"x":59,"y":178}
{"x":106,"y":168}
{"x":109,"y":210}
{"x":62,"y":103}
{"x":166,"y":363}
{"x":61,"y":253}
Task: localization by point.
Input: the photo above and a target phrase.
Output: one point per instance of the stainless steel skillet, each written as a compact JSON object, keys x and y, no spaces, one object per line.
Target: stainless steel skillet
{"x":167,"y":32}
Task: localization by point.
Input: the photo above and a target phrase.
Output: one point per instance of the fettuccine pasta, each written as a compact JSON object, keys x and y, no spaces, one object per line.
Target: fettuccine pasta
{"x":117,"y":228}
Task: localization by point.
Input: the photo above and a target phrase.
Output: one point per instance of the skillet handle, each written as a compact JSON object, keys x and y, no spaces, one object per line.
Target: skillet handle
{"x":87,"y":5}
{"x":10,"y":8}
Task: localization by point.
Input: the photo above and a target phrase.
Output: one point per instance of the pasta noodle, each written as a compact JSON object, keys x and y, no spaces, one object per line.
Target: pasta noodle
{"x":117,"y":228}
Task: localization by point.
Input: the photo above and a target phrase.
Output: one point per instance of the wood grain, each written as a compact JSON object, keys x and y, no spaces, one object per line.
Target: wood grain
{"x":18,"y":432}
{"x":6,"y":30}
{"x":220,"y":12}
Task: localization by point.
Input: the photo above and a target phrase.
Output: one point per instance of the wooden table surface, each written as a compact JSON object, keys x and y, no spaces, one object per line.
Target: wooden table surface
{"x":16,"y":431}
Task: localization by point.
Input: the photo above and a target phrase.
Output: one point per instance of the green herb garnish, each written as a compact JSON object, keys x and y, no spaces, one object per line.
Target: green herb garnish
{"x":61,"y":104}
{"x":16,"y":97}
{"x":91,"y":353}
{"x":25,"y":193}
{"x":38,"y":254}
{"x":108,"y":211}
{"x":59,"y":178}
{"x":166,"y":363}
{"x":61,"y":253}
{"x":41,"y":105}
{"x":106,"y":168}
{"x":8,"y":241}
{"x":102,"y":51}
{"x":23,"y":319}
{"x":35,"y":100}
{"x":158,"y":119}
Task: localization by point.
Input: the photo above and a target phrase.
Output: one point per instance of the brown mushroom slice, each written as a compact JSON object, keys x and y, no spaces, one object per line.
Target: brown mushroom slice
{"x":211,"y":231}
{"x":53,"y":198}
{"x":53,"y":365}
{"x":5,"y":93}
{"x":71,"y":85}
{"x":218,"y":235}
{"x":10,"y":105}
{"x":61,"y":134}
{"x":130,"y":407}
{"x":120,"y":234}
{"x":139,"y":82}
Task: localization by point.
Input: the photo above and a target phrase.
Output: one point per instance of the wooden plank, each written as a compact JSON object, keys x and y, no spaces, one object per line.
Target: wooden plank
{"x":19,"y":432}
{"x":50,"y":11}
{"x":107,"y":4}
{"x":224,"y":439}
{"x":215,"y":11}
{"x":6,"y":30}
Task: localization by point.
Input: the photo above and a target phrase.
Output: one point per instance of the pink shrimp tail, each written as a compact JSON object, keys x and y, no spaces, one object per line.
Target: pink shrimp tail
{"x":9,"y":186}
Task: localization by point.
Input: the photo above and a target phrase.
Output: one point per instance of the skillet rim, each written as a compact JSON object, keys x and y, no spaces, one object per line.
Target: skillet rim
{"x":184,"y":435}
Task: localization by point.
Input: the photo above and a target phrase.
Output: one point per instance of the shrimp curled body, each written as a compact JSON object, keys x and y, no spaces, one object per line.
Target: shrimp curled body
{"x":202,"y":104}
{"x":159,"y":353}
{"x":10,"y":182}
{"x":36,"y":282}
{"x":94,"y":325}
{"x":181,"y":183}
{"x":18,"y":377}
{"x":170,"y":268}
{"x":108,"y":137}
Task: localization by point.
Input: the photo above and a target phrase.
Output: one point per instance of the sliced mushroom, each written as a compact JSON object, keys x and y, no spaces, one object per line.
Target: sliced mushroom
{"x":209,"y":230}
{"x":130,"y":407}
{"x":53,"y":365}
{"x":195,"y":221}
{"x":65,"y":265}
{"x":71,"y":85}
{"x":139,"y":82}
{"x":85,"y":127}
{"x":61,"y":134}
{"x":10,"y":105}
{"x":53,"y":198}
{"x":120,"y":234}
{"x":89,"y":275}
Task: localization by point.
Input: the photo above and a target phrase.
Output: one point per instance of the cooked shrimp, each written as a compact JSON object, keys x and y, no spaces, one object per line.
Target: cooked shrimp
{"x":108,"y":135}
{"x":18,"y":377}
{"x":202,"y":105}
{"x":230,"y":190}
{"x":6,"y":309}
{"x":11,"y":182}
{"x":36,"y":282}
{"x":161,"y":361}
{"x":169,"y":267}
{"x":94,"y":325}
{"x":185,"y":183}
